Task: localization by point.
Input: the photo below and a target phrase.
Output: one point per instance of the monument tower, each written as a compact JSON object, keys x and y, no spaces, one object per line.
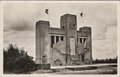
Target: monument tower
{"x":64,"y":45}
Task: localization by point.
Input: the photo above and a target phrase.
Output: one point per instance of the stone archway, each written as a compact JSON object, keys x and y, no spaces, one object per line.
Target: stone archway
{"x":57,"y":62}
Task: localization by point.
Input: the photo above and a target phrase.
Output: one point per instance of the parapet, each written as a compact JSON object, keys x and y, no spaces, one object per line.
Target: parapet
{"x":85,"y":29}
{"x":41,"y":22}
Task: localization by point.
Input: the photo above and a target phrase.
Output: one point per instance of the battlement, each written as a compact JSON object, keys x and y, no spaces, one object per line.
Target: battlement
{"x":85,"y":29}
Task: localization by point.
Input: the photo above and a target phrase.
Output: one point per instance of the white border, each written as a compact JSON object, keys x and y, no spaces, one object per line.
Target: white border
{"x":52,"y":75}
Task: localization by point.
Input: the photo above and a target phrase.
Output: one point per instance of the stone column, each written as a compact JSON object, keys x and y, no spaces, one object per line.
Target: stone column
{"x":54,"y":39}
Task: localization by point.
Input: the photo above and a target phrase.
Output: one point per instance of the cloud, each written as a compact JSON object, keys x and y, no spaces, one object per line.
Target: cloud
{"x":21,"y":26}
{"x":106,"y":48}
{"x":21,"y":18}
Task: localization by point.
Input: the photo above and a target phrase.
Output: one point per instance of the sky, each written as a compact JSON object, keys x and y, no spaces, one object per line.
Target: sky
{"x":20,"y":19}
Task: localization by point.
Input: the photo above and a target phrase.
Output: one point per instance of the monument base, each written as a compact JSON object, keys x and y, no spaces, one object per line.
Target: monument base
{"x":43,"y":66}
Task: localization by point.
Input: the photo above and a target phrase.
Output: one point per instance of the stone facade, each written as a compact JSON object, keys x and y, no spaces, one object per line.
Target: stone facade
{"x":64,"y":45}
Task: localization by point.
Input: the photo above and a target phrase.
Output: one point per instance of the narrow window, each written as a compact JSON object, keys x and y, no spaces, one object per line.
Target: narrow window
{"x":84,"y":40}
{"x":62,"y":38}
{"x":57,"y":39}
{"x":52,"y":41}
{"x":80,"y":40}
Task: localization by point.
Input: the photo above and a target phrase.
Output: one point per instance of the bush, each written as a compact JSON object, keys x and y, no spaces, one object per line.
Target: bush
{"x":17,"y":61}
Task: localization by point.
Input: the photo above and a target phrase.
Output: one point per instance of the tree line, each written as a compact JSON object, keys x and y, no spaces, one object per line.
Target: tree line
{"x":107,"y":60}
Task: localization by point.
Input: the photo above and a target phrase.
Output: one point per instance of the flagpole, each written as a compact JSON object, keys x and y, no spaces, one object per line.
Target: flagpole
{"x":82,"y":17}
{"x":47,"y":12}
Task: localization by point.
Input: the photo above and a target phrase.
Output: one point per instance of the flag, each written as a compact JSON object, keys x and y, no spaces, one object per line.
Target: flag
{"x":81,"y":14}
{"x":46,"y":11}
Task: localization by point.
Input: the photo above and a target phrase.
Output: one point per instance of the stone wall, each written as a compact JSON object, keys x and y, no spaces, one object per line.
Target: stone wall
{"x":58,"y":53}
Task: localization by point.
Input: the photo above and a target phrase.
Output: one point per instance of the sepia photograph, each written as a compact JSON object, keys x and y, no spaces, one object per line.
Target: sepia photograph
{"x":60,"y":38}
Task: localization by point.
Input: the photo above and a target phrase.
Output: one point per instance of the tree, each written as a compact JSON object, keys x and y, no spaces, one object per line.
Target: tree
{"x":16,"y":60}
